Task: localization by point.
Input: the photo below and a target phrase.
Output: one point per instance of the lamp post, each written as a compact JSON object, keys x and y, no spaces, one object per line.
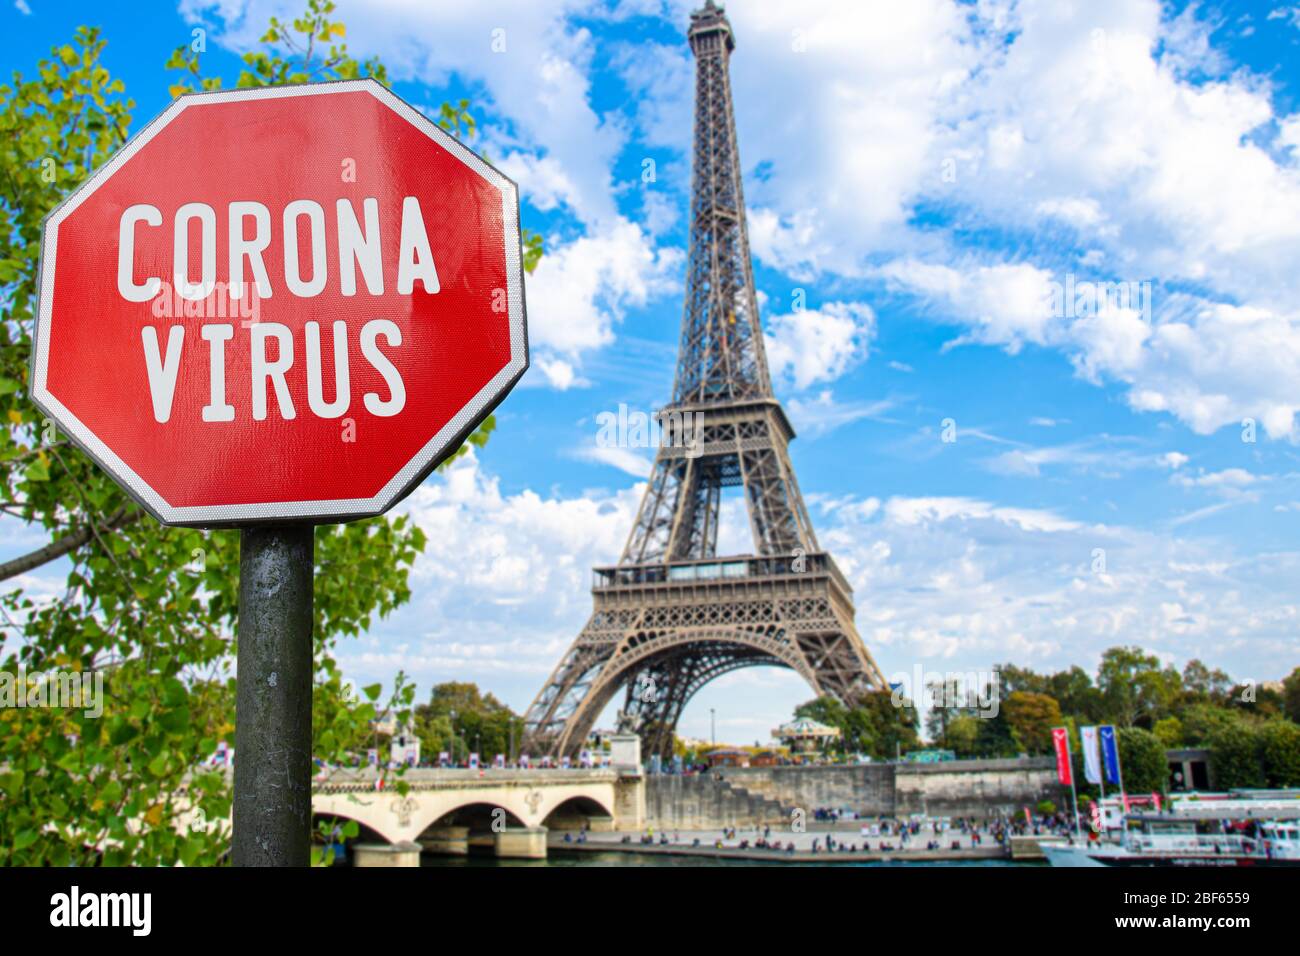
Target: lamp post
{"x":713,"y":725}
{"x":453,"y":737}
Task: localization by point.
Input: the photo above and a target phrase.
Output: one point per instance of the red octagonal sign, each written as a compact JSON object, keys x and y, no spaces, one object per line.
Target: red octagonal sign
{"x":280,"y":304}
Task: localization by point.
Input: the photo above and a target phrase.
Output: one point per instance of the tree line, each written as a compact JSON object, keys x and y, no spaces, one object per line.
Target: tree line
{"x":1252,"y":731}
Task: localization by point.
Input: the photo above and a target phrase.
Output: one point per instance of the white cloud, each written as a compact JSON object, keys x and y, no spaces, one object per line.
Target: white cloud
{"x":1228,"y":477}
{"x":1288,"y":134}
{"x":557,"y":372}
{"x":503,"y":585}
{"x":1291,"y":14}
{"x":1103,"y":456}
{"x":580,"y":289}
{"x":1233,"y":484}
{"x":542,"y":180}
{"x":819,"y":345}
{"x":841,"y":102}
{"x":520,"y":545}
{"x":911,"y":511}
{"x":1078,"y":212}
{"x":976,"y":583}
{"x":662,"y":78}
{"x":1209,"y":364}
{"x":822,"y":413}
{"x":624,"y":459}
{"x":1006,"y":305}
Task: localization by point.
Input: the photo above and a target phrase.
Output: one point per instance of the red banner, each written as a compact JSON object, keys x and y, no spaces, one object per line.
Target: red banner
{"x":1062,"y":744}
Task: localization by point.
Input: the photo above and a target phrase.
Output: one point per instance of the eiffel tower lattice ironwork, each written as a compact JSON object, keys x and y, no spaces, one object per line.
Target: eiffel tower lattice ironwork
{"x":672,"y":615}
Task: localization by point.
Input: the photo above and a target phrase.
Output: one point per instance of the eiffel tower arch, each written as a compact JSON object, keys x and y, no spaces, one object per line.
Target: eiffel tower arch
{"x":672,"y":615}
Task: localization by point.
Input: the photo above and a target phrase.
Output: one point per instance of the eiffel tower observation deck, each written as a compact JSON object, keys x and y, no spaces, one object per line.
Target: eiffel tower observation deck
{"x":672,"y":615}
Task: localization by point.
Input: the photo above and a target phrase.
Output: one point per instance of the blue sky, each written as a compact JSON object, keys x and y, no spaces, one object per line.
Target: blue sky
{"x":920,"y":176}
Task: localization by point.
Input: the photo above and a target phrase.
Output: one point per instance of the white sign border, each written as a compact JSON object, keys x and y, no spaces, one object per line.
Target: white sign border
{"x":319,"y":512}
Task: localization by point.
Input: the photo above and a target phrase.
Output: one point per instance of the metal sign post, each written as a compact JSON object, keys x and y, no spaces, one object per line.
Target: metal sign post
{"x":272,"y":810}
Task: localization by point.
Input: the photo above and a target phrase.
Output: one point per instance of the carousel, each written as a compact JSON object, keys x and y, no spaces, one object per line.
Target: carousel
{"x":806,"y":738}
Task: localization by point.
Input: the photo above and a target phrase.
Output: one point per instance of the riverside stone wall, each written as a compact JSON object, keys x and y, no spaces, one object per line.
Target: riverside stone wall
{"x":754,"y":795}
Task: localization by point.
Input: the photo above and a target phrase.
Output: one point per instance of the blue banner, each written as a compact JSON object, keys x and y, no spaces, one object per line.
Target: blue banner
{"x":1109,"y":752}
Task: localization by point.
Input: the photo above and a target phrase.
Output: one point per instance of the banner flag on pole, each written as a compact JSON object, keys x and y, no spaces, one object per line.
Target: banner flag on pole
{"x":1110,"y":752}
{"x":1091,"y":758}
{"x":1064,"y":772}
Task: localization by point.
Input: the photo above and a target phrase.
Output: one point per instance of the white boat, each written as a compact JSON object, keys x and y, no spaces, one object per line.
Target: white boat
{"x":1169,"y":840}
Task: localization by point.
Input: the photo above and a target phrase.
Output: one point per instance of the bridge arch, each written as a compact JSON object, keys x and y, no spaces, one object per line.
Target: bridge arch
{"x":574,"y":812}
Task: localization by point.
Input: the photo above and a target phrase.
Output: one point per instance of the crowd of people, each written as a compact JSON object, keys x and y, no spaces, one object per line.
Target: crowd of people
{"x":876,"y":834}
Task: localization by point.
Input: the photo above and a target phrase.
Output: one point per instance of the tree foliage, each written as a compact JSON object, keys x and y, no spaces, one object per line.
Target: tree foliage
{"x":1279,"y":751}
{"x":481,"y":723}
{"x":1235,"y":756}
{"x":1250,"y":731}
{"x":1142,"y":758}
{"x":1032,"y":717}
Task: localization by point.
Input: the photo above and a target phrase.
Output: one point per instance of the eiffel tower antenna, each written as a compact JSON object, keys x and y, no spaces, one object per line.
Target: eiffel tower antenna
{"x":672,"y":615}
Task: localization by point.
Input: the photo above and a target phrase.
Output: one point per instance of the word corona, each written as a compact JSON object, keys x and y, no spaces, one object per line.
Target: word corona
{"x":357,"y":249}
{"x":248,"y":235}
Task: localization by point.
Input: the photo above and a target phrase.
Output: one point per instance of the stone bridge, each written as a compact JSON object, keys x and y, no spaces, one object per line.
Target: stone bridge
{"x":449,"y":810}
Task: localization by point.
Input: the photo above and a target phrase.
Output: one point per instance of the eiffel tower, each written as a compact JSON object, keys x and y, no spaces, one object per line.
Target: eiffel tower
{"x":672,"y":615}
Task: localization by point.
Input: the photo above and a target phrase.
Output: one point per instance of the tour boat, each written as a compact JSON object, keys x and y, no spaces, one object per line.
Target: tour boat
{"x":1246,"y":828}
{"x":1175,"y":843}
